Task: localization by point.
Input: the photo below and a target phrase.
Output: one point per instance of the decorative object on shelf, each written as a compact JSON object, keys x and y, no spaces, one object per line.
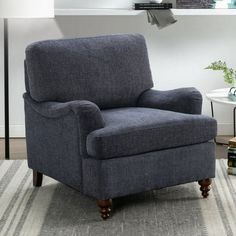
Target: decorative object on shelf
{"x":229,"y":76}
{"x":195,"y":4}
{"x":232,"y":94}
{"x":18,"y":9}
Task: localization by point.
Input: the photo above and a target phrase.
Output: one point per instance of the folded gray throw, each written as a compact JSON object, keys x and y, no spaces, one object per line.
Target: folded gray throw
{"x":161,"y":18}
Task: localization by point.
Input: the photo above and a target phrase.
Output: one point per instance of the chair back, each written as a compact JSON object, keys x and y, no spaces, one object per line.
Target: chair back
{"x":111,"y":71}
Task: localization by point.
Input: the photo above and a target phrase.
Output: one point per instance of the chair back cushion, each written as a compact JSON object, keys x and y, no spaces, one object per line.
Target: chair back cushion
{"x":111,"y":71}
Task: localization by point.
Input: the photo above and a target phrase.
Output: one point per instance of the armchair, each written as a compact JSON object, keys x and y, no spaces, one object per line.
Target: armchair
{"x":94,"y":123}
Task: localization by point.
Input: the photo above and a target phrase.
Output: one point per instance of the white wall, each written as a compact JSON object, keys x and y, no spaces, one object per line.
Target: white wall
{"x":178,"y":53}
{"x":95,"y":3}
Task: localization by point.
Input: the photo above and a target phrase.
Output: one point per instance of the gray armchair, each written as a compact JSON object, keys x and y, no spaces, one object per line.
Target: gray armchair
{"x":94,"y":123}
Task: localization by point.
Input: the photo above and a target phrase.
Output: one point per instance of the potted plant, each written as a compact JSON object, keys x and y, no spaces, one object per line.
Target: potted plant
{"x":229,"y":76}
{"x":229,"y":73}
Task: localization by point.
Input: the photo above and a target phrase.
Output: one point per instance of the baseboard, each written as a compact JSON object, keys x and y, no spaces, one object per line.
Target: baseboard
{"x":225,"y":129}
{"x":18,"y":131}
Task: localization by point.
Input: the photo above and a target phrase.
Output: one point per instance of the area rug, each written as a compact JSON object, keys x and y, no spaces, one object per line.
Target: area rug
{"x":55,"y":209}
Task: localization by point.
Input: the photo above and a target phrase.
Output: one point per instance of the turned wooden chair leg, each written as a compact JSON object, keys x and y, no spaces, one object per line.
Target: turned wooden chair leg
{"x":37,"y":178}
{"x":105,"y":208}
{"x":205,"y":187}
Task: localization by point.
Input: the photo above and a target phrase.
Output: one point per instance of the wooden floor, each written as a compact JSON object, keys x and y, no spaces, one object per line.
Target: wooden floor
{"x":18,"y":148}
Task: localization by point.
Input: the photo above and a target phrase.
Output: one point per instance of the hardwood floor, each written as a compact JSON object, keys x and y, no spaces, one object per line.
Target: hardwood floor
{"x":18,"y":148}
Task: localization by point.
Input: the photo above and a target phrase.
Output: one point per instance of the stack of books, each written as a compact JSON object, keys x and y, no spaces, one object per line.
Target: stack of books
{"x":151,"y":6}
{"x":232,"y":157}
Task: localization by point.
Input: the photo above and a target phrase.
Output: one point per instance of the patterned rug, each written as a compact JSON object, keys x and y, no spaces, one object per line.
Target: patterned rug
{"x":56,"y":209}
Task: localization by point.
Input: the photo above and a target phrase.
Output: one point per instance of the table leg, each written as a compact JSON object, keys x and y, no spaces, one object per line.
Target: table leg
{"x":212,"y":110}
{"x":212,"y":114}
{"x":234,"y":120}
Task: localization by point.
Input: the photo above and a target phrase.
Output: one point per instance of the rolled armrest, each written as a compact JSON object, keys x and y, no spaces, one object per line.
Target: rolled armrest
{"x":184,"y":100}
{"x":88,"y":113}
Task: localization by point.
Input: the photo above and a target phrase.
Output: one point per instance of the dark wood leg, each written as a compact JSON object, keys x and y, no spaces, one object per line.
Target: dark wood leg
{"x":105,"y":208}
{"x":205,"y":187}
{"x":37,"y":178}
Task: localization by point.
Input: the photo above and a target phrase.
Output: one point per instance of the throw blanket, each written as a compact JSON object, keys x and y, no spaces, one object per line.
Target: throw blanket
{"x":161,"y":18}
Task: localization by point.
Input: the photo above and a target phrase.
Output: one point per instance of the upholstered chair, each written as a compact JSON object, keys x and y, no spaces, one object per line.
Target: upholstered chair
{"x":93,"y":121}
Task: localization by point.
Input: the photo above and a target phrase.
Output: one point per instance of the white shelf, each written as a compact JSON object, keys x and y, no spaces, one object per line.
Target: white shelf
{"x":126,"y":12}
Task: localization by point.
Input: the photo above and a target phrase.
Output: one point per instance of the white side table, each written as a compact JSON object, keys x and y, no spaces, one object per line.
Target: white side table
{"x":221,"y":96}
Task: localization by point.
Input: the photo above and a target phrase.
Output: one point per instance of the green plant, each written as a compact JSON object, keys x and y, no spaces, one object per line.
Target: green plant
{"x":229,"y":73}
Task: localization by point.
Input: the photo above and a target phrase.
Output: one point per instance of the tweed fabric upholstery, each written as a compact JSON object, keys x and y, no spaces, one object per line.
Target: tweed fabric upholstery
{"x":52,"y":146}
{"x":185,"y":100}
{"x":56,"y":137}
{"x":88,"y":68}
{"x":93,"y":122}
{"x":153,"y":170}
{"x":131,"y":130}
{"x":26,"y":78}
{"x":87,"y":114}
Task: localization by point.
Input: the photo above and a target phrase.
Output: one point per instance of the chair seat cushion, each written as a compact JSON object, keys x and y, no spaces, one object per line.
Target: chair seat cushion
{"x":135,"y":130}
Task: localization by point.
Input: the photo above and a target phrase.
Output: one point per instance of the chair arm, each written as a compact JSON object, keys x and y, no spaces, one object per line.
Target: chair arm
{"x":89,"y":114}
{"x":184,"y":100}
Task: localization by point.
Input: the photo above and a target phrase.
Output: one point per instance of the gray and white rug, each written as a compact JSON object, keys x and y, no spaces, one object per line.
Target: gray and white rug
{"x":56,"y":209}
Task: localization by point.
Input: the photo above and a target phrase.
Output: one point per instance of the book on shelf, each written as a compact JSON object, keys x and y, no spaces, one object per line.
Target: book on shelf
{"x":232,"y":163}
{"x":232,"y":155}
{"x":152,"y":6}
{"x":232,"y":150}
{"x":231,"y":170}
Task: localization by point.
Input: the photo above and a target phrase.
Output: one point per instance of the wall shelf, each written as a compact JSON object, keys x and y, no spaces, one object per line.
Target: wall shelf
{"x":97,"y":12}
{"x":126,"y":12}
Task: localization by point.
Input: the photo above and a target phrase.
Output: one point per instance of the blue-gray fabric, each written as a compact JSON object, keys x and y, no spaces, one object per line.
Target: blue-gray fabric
{"x":117,"y":177}
{"x":185,"y":100}
{"x":53,"y":146}
{"x":145,"y":142}
{"x":135,"y":130}
{"x":88,"y":68}
{"x":87,"y":115}
{"x":26,"y":78}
